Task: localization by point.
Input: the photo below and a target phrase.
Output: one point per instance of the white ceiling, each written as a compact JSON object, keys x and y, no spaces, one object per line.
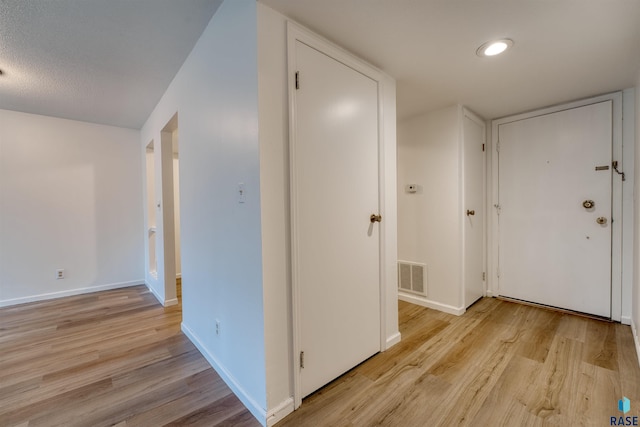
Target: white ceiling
{"x":110,"y":61}
{"x":564,"y":49}
{"x":102,"y":61}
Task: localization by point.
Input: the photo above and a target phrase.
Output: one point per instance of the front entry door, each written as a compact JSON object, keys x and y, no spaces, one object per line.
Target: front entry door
{"x":555,"y":209}
{"x":335,"y":192}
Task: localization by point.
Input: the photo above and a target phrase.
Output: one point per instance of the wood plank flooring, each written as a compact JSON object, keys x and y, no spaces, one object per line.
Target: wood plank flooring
{"x":500,"y":364}
{"x":104,"y":359}
{"x":118,"y":358}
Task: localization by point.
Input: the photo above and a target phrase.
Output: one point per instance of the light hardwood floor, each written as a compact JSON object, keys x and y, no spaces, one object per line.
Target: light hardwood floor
{"x":500,"y":364}
{"x":118,"y":358}
{"x":108,"y":358}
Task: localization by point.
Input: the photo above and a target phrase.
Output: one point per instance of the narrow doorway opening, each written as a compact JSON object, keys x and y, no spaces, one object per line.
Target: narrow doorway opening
{"x":171,"y":189}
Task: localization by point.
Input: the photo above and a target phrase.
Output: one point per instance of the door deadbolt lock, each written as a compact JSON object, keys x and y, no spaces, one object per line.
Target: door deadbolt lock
{"x":601,"y":220}
{"x":470,"y":212}
{"x":588,"y":204}
{"x":375,"y":218}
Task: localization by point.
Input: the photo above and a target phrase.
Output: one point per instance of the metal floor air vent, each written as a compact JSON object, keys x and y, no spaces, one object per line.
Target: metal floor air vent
{"x":412,"y":277}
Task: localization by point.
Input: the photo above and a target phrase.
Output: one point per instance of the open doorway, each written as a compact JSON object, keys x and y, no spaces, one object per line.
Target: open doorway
{"x":163,"y":269}
{"x":171,"y":190}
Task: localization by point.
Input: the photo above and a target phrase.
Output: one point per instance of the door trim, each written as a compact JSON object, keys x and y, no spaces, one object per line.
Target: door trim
{"x":296,"y":33}
{"x":616,"y":203}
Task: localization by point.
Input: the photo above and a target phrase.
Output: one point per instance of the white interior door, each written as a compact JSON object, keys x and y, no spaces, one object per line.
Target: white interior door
{"x":554,"y":248}
{"x":473,"y":155}
{"x":335,"y":192}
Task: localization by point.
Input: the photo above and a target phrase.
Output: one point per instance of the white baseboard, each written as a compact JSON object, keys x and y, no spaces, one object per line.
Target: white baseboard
{"x":279,"y":412}
{"x":68,"y":293}
{"x":164,"y":302}
{"x":490,"y":293}
{"x":458,"y":311}
{"x":258,"y":412}
{"x":154,"y":293}
{"x":625,"y":320}
{"x":170,"y":302}
{"x":393,"y":340}
{"x":636,"y":339}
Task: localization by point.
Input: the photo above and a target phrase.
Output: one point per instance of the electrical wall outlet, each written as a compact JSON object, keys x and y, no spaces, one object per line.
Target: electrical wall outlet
{"x":60,"y":274}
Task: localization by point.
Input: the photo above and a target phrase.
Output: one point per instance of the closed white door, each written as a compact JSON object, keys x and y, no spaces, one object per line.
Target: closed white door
{"x":335,"y":192}
{"x":555,"y":209}
{"x":473,"y":156}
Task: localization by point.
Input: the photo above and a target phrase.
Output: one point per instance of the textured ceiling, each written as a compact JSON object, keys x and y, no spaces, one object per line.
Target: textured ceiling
{"x":110,"y":61}
{"x":564,"y":49}
{"x":102,"y":61}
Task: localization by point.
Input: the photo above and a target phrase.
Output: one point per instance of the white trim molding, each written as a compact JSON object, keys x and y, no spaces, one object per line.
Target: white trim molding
{"x":393,"y":340}
{"x":71,"y":292}
{"x":170,"y":302}
{"x":164,"y":302}
{"x":276,"y":414}
{"x":636,"y":340}
{"x":258,"y":411}
{"x":154,"y":293}
{"x":458,"y":311}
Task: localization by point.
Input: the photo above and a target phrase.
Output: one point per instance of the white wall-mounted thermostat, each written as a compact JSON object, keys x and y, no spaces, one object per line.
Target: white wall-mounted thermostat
{"x":411,"y":188}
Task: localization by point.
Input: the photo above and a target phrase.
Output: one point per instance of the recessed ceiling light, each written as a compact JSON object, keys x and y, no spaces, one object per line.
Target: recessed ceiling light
{"x":494,"y":47}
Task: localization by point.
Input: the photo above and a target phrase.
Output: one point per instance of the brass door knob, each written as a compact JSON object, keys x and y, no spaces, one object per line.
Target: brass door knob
{"x":588,"y":204}
{"x":601,"y":220}
{"x":375,"y":218}
{"x":470,"y":212}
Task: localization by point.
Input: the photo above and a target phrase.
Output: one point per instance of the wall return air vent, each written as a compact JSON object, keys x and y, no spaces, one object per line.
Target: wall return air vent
{"x":412,"y":278}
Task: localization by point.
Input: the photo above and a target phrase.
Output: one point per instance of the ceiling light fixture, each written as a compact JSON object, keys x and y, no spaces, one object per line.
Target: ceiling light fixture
{"x":494,"y":47}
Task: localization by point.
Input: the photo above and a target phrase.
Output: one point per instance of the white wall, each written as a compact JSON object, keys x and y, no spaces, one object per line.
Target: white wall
{"x":628,"y":219}
{"x":215,"y":94}
{"x":69,"y":199}
{"x":429,"y":228}
{"x":275,"y":204}
{"x":236,"y":256}
{"x":274,"y":185}
{"x":176,"y":210}
{"x":635,"y":309}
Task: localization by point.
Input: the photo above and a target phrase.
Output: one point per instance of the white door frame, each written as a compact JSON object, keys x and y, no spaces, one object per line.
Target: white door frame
{"x":162,"y":284}
{"x":297,"y":33}
{"x":616,"y":205}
